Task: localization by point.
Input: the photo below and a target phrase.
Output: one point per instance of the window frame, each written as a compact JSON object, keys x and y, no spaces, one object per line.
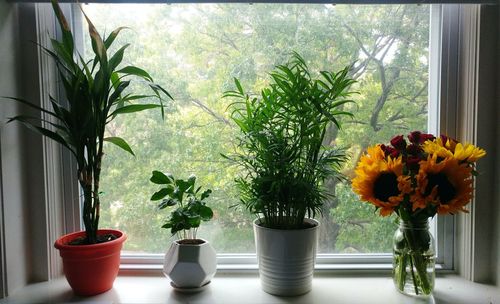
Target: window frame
{"x":444,"y":68}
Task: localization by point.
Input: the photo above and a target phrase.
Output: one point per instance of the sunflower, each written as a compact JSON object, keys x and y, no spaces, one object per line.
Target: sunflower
{"x":439,"y":147}
{"x":446,"y":184}
{"x":468,"y":152}
{"x":450,"y":148}
{"x":380,"y":181}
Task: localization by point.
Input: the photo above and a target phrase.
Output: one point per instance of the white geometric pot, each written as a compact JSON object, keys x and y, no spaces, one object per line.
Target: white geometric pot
{"x":190,"y":265}
{"x":286,"y":258}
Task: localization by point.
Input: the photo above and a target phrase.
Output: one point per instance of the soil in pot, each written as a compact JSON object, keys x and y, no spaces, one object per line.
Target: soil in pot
{"x":191,"y":242}
{"x":100,"y":239}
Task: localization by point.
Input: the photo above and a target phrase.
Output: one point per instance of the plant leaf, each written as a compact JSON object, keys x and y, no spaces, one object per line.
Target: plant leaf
{"x":134,"y":108}
{"x":161,"y":194}
{"x":160,"y":178}
{"x":120,"y":142}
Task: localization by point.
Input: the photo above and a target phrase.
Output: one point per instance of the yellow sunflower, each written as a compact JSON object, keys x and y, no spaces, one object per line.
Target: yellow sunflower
{"x":439,"y":148}
{"x":446,"y":183}
{"x":450,"y":148}
{"x":468,"y":152}
{"x":380,"y":181}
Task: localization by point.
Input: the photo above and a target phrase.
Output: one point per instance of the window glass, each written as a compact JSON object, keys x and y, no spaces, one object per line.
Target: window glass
{"x":195,"y":51}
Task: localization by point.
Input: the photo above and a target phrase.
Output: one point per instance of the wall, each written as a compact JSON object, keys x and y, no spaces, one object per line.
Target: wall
{"x":14,"y":238}
{"x":26,"y":237}
{"x":484,"y":242}
{"x":496,"y":232}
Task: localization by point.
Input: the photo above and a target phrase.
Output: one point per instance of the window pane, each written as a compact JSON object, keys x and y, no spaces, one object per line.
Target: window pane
{"x":195,"y":50}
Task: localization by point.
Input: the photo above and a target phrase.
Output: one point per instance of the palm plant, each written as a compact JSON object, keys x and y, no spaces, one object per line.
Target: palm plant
{"x":96,"y":93}
{"x":282,"y":149}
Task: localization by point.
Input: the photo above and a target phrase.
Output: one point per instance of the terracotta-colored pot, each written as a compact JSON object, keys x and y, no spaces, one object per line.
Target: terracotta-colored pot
{"x":91,"y":269}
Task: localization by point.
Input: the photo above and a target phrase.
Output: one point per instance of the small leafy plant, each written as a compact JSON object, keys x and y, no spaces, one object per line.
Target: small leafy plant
{"x":282,"y":150}
{"x":191,"y":211}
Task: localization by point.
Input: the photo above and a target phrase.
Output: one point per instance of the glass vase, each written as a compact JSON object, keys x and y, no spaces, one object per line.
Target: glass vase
{"x":414,"y":258}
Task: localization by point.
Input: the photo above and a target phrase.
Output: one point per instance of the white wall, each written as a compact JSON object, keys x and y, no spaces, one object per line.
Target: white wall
{"x":25,"y":241}
{"x":11,"y":154}
{"x":496,"y":238}
{"x":485,"y":241}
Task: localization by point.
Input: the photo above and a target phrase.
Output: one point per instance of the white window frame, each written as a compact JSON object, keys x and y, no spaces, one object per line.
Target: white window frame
{"x":444,"y":67}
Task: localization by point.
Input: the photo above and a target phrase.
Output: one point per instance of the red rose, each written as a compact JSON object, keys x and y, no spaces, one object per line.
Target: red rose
{"x":425,"y":137}
{"x":417,"y":137}
{"x":414,"y":137}
{"x":412,"y":162}
{"x":413,"y":149}
{"x":389,"y":151}
{"x":398,"y":142}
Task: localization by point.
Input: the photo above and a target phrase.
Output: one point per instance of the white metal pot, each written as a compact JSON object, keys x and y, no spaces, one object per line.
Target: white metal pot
{"x":286,"y":258}
{"x":190,"y":265}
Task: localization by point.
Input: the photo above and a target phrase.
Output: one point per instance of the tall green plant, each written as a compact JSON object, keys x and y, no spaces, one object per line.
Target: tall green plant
{"x":282,"y":146}
{"x":96,"y":93}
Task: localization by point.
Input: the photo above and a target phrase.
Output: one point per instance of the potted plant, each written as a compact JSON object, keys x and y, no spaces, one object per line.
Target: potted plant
{"x":190,"y":262}
{"x":285,"y":163}
{"x":95,"y":94}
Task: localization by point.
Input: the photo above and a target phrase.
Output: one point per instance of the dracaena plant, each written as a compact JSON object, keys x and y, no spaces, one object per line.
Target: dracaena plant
{"x":190,"y":201}
{"x":281,"y":148}
{"x":96,"y":93}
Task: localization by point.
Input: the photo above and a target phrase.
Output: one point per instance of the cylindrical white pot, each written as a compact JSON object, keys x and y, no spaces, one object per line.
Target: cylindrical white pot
{"x":286,"y":258}
{"x":190,"y":265}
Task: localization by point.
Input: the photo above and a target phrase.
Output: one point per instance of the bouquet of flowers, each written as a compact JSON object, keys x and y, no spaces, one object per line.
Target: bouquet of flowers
{"x":416,"y":179}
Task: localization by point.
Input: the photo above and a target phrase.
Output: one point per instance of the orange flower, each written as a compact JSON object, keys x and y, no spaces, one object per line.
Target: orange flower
{"x":379,"y":181}
{"x":446,"y":184}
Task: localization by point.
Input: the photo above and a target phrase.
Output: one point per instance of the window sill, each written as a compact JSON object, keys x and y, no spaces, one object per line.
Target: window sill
{"x":232,"y":288}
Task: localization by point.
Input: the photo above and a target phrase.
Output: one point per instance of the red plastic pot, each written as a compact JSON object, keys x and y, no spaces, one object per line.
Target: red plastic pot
{"x":91,"y":269}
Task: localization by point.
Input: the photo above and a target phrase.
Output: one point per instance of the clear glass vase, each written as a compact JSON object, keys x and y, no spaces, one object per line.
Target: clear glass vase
{"x":414,"y":258}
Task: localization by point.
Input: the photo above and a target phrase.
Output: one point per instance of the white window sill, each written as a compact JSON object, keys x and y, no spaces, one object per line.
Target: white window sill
{"x":243,"y":289}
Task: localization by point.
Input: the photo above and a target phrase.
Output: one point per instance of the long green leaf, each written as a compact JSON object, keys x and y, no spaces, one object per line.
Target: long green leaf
{"x":65,"y":28}
{"x":109,"y":40}
{"x":120,"y":142}
{"x":134,"y":108}
{"x":133,"y":70}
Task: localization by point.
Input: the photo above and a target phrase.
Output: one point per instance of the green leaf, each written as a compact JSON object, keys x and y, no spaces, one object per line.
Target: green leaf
{"x":97,"y":44}
{"x":161,"y":194}
{"x":167,"y":225}
{"x":120,"y":142}
{"x":134,"y":108}
{"x":133,"y":70}
{"x":238,"y":85}
{"x":205,"y":194}
{"x":206,"y":213}
{"x":65,"y":28}
{"x":109,"y":40}
{"x":160,"y":178}
{"x":117,"y":58}
{"x":194,"y":221}
{"x":167,"y":203}
{"x":183,"y":185}
{"x":30,"y":105}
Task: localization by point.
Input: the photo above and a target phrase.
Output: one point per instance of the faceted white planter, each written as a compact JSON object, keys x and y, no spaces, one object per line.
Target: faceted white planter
{"x":190,"y":265}
{"x":286,"y":258}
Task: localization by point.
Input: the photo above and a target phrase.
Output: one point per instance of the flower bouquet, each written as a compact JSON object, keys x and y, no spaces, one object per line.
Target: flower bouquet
{"x":416,"y":180}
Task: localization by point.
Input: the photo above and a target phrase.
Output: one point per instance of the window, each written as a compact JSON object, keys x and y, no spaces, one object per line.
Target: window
{"x":195,"y":50}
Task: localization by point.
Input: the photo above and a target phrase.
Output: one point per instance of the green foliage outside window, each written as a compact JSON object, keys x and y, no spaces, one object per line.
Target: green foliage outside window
{"x":197,"y":50}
